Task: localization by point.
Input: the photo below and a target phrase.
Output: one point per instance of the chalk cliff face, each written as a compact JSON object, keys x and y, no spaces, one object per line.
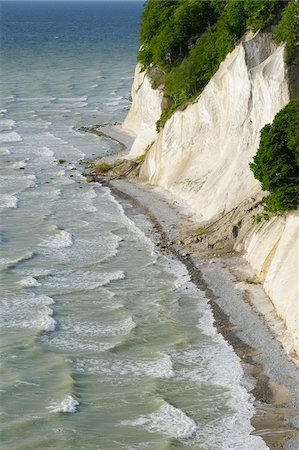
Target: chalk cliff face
{"x":145,"y":111}
{"x":202,"y":157}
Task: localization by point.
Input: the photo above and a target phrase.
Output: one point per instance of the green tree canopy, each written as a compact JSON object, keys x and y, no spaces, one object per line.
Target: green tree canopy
{"x":276,"y":163}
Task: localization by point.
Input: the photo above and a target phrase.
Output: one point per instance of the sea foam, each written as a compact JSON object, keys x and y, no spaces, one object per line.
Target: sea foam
{"x":167,"y":420}
{"x":29,"y":282}
{"x":28,"y":312}
{"x":68,"y":405}
{"x":61,"y":239}
{"x":8,"y":201}
{"x":10,"y":137}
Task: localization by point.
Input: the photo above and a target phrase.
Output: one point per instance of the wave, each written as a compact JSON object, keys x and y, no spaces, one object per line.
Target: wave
{"x":46,"y":322}
{"x":10,"y":137}
{"x":68,"y":405}
{"x":70,"y":280}
{"x":19,"y":164}
{"x":4,"y":151}
{"x":62,"y":239}
{"x":26,"y":311}
{"x":8,"y":201}
{"x":29,"y":282}
{"x":14,"y":185}
{"x":127,"y":222}
{"x":167,"y":420}
{"x":8,"y":263}
{"x":36,"y":99}
{"x":90,"y":209}
{"x":114,"y":102}
{"x":67,"y":342}
{"x":72,"y":99}
{"x":160,"y":367}
{"x":122,"y":327}
{"x":6,"y":124}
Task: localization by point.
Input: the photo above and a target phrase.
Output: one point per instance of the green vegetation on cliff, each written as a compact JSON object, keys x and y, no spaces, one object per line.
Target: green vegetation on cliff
{"x":188,"y":39}
{"x":276,"y":163}
{"x":288,"y":31}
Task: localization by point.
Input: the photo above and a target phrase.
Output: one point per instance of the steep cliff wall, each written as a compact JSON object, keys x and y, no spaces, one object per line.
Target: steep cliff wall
{"x":202,"y":157}
{"x":272,"y":249}
{"x":145,"y":111}
{"x":203,"y":152}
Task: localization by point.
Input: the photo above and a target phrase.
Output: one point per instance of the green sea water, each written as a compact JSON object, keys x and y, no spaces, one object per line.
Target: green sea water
{"x":105,"y":343}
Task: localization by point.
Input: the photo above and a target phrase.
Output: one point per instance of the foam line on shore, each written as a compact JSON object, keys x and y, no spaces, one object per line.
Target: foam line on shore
{"x":248,"y":327}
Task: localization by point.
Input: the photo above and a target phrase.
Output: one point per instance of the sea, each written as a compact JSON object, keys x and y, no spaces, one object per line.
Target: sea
{"x":105,"y":343}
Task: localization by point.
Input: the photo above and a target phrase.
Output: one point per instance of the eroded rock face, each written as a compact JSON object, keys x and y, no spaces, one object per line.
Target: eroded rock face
{"x":145,"y":111}
{"x":202,"y":157}
{"x":202,"y":154}
{"x":273,"y":251}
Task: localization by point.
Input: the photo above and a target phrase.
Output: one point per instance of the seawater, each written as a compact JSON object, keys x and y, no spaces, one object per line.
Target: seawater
{"x":105,"y":343}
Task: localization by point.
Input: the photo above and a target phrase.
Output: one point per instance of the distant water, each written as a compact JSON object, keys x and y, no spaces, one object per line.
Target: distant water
{"x":102,"y":344}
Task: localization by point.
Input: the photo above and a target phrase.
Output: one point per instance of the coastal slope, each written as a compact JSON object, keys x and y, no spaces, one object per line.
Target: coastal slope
{"x":202,"y":157}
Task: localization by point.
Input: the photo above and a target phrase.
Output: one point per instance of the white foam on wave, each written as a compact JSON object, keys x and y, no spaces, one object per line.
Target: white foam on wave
{"x":35,"y":272}
{"x":214,"y":363}
{"x":23,"y":311}
{"x":6,"y":263}
{"x":122,"y":327}
{"x":29,"y":282}
{"x":19,"y":164}
{"x":4,"y":151}
{"x":71,"y":280}
{"x":72,"y":99}
{"x":113,"y":102}
{"x":26,"y":383}
{"x":168,"y":420}
{"x":61,"y":239}
{"x":10,"y":137}
{"x":90,"y":208}
{"x":13,"y":185}
{"x":127,"y":222}
{"x":6,"y":124}
{"x":158,"y":367}
{"x":67,"y":341}
{"x":68,"y":405}
{"x":8,"y":201}
{"x":46,"y":99}
{"x":46,"y":322}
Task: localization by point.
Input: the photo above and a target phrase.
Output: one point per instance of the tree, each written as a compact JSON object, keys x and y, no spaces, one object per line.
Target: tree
{"x":276,"y":163}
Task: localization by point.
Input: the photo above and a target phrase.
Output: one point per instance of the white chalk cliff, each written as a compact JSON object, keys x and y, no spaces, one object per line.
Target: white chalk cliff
{"x":202,"y":157}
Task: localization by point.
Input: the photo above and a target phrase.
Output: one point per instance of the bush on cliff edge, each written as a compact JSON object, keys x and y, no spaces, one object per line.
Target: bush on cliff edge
{"x":276,"y":163}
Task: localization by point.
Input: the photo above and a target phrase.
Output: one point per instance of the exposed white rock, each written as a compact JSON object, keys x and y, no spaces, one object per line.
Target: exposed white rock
{"x":202,"y":157}
{"x":273,"y":251}
{"x":145,"y":111}
{"x":203,"y":152}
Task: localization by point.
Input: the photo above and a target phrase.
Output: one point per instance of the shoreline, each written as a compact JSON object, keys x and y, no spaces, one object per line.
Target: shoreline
{"x":276,"y":403}
{"x":234,"y":306}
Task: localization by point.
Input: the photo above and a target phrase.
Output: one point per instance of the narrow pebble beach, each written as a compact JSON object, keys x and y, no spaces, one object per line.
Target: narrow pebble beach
{"x":106,"y":342}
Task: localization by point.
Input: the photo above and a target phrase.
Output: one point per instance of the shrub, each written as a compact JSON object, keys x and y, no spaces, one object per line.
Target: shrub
{"x":201,"y":230}
{"x":288,"y":31}
{"x":276,"y":163}
{"x":102,"y":167}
